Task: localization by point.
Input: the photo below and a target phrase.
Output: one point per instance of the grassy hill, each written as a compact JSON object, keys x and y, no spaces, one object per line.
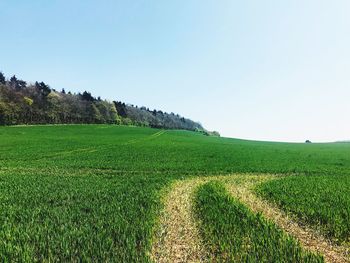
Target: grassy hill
{"x":95,"y":191}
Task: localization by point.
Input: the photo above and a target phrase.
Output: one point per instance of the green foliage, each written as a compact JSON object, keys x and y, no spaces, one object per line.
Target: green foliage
{"x":51,"y":107}
{"x":28,"y":101}
{"x":127,"y":121}
{"x":145,"y":117}
{"x":47,"y":106}
{"x":208,"y":133}
{"x":234,"y":234}
{"x":323,"y":201}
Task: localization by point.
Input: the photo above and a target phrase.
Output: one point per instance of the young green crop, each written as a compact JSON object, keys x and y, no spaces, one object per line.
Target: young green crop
{"x":129,"y":149}
{"x":72,"y":217}
{"x":79,"y":191}
{"x":323,"y":201}
{"x":234,"y":234}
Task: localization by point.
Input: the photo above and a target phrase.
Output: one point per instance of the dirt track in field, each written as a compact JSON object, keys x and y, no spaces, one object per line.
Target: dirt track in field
{"x":307,"y":237}
{"x":178,"y":238}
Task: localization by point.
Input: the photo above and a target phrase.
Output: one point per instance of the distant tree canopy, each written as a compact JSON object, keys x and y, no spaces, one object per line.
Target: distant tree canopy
{"x":156,"y":119}
{"x":22,"y":103}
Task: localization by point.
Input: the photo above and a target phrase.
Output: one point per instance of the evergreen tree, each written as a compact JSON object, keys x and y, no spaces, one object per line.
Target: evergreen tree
{"x":2,"y":78}
{"x":87,"y":96}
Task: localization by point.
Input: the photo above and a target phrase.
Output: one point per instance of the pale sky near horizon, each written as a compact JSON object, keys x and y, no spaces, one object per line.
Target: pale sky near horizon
{"x":263,"y":70}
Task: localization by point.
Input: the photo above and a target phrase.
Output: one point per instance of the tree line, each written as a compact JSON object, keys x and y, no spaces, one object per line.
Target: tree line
{"x":37,"y":103}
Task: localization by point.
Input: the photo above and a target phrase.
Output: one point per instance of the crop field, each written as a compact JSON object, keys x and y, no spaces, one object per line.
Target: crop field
{"x":323,"y":201}
{"x":255,"y":239}
{"x":97,"y":193}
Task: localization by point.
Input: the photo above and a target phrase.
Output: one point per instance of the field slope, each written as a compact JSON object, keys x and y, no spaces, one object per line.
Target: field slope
{"x":96,"y":191}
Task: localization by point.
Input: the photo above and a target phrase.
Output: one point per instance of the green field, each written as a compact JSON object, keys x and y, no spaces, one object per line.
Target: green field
{"x":255,"y":239}
{"x":323,"y":201}
{"x":95,"y":191}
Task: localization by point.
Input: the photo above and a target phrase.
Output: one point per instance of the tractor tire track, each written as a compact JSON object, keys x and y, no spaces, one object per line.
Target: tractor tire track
{"x":307,"y":237}
{"x":96,"y":148}
{"x":150,"y":137}
{"x":178,"y":238}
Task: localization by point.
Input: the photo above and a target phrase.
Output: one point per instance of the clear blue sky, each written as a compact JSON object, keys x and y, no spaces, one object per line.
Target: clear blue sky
{"x":266,"y":70}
